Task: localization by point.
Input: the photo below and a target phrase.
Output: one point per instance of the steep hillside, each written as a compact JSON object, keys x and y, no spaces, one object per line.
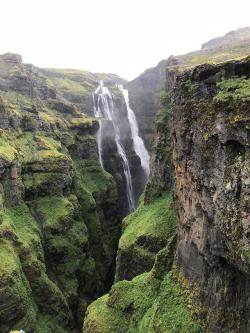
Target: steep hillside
{"x":199,"y":281}
{"x":59,"y":216}
{"x":146,"y":90}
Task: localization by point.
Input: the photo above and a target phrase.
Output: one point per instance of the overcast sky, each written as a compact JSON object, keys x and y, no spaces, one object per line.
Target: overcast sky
{"x":119,"y":36}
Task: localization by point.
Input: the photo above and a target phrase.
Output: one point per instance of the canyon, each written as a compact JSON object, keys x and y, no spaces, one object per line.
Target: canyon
{"x":90,"y":240}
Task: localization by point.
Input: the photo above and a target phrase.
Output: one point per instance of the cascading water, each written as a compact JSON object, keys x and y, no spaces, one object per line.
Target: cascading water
{"x":104,"y":108}
{"x":138,"y":143}
{"x":98,"y":115}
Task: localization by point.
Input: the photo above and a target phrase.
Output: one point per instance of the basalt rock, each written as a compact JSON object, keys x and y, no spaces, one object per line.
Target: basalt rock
{"x":211,"y":138}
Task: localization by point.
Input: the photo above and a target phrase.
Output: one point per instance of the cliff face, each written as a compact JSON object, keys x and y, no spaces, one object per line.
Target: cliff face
{"x":199,"y":281}
{"x":146,"y":90}
{"x":59,"y":216}
{"x":211,"y":137}
{"x":144,"y":94}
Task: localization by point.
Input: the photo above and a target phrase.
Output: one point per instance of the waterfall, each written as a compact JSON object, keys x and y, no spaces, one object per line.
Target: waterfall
{"x":138,"y":143}
{"x":98,"y":115}
{"x":104,"y":109}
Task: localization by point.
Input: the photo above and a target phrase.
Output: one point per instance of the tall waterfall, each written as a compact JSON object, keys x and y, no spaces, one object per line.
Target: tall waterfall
{"x":138,"y":143}
{"x":98,"y":115}
{"x":104,"y":108}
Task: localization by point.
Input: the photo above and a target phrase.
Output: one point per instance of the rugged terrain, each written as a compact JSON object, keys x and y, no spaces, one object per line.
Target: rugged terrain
{"x":182,"y":261}
{"x":200,"y":281}
{"x":59,"y":209}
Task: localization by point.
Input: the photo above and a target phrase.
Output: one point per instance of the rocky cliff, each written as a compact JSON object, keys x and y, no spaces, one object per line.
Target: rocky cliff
{"x":59,"y":220}
{"x":211,"y":137}
{"x":146,"y":90}
{"x":199,"y":281}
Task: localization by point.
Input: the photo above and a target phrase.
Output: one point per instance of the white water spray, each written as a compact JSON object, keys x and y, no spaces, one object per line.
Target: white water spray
{"x":98,"y":115}
{"x":105,"y":109}
{"x":138,"y":143}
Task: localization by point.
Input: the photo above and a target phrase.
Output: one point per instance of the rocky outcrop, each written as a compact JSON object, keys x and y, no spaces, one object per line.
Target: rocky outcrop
{"x":211,"y":138}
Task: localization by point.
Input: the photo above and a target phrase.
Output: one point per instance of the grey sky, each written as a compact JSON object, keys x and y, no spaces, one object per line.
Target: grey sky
{"x":119,"y":36}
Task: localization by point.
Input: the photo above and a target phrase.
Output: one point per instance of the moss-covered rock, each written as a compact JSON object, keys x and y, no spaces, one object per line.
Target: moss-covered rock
{"x":58,"y":208}
{"x":145,"y":233}
{"x":211,"y":155}
{"x":152,"y":302}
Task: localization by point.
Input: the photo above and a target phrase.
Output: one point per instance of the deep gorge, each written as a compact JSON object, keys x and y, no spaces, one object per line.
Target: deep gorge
{"x":88,"y":242}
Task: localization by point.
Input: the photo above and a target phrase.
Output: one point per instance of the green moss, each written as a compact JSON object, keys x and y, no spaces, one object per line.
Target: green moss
{"x":153,"y":221}
{"x":19,"y":236}
{"x":82,"y":121}
{"x":165,"y":109}
{"x":51,"y":154}
{"x":45,"y":183}
{"x":25,"y":227}
{"x":233,"y":90}
{"x":55,"y":210}
{"x":7,"y":151}
{"x":170,"y":312}
{"x":66,"y":237}
{"x":137,"y":307}
{"x":69,"y":85}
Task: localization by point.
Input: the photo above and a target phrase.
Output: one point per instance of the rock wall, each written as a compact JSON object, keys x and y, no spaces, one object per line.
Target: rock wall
{"x":211,"y":139}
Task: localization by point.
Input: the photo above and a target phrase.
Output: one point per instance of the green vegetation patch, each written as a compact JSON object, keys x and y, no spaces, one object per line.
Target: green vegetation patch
{"x":138,"y":306}
{"x":55,"y":210}
{"x":214,"y":56}
{"x":165,"y":109}
{"x":233,"y":90}
{"x":7,"y":151}
{"x":153,"y":221}
{"x":69,"y":85}
{"x":82,"y":121}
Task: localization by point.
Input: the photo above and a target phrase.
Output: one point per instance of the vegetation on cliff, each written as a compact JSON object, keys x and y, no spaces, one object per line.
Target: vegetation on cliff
{"x":156,"y":301}
{"x":59,"y":210}
{"x":146,"y":90}
{"x":191,"y":287}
